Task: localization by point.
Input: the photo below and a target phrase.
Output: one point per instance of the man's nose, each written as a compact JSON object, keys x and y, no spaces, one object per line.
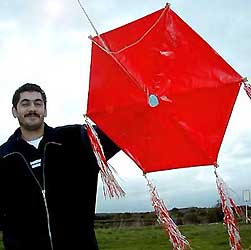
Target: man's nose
{"x":32,"y":106}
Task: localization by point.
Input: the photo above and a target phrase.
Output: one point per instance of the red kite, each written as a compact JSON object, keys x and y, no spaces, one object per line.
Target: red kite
{"x":161,"y":92}
{"x":165,"y":97}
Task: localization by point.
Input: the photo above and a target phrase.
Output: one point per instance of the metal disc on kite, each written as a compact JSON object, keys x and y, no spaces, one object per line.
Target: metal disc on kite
{"x":153,"y":101}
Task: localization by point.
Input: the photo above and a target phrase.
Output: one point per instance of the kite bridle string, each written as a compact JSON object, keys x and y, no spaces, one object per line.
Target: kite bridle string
{"x":137,"y":41}
{"x":106,"y":49}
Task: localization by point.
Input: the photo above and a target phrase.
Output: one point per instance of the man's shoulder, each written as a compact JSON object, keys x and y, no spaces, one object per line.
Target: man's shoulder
{"x":3,"y":149}
{"x":6,"y":147}
{"x":68,"y":132}
{"x":69,"y":129}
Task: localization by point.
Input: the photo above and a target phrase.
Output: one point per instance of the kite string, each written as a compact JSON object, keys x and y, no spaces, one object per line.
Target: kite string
{"x":89,"y":19}
{"x":93,"y":26}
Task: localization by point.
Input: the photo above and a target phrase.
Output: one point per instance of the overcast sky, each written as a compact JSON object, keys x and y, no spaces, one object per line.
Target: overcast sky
{"x":46,"y":42}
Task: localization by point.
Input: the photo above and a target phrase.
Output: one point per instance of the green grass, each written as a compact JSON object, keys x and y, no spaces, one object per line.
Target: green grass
{"x":201,"y":237}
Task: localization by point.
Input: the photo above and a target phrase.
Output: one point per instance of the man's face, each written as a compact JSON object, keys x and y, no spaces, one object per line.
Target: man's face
{"x":30,"y":110}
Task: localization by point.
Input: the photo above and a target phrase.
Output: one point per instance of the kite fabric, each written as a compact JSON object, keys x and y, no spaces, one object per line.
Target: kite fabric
{"x":165,"y":97}
{"x":161,"y":93}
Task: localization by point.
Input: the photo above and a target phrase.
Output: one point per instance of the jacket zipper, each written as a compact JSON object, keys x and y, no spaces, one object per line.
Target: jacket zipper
{"x":41,"y":187}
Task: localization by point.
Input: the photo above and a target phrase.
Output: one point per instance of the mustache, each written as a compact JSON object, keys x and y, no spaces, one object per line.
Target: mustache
{"x":32,"y":114}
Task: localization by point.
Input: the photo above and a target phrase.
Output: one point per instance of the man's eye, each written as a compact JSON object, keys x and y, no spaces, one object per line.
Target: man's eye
{"x":38,"y":104}
{"x":25,"y":104}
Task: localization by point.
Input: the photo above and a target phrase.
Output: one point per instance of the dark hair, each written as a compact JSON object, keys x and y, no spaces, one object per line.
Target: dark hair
{"x":30,"y":87}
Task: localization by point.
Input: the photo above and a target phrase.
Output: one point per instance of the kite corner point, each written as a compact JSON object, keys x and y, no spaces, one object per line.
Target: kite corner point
{"x":216,"y":165}
{"x":245,"y":79}
{"x":168,"y":5}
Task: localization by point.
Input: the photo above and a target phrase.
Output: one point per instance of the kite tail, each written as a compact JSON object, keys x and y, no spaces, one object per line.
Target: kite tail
{"x":247,"y":87}
{"x":228,"y":205}
{"x":178,"y":241}
{"x":111,"y":187}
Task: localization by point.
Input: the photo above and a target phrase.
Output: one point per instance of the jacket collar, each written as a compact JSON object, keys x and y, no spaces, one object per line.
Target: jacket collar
{"x":17,"y":134}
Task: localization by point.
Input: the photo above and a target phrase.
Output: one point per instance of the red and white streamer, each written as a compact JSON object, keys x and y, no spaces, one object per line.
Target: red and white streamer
{"x":178,"y":241}
{"x":247,"y":87}
{"x":228,"y":208}
{"x":111,"y":187}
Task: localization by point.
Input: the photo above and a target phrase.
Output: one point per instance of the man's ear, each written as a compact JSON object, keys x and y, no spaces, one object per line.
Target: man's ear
{"x":14,"y":112}
{"x":45,"y":112}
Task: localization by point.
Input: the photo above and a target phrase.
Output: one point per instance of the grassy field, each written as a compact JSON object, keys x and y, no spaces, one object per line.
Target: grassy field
{"x":201,"y":237}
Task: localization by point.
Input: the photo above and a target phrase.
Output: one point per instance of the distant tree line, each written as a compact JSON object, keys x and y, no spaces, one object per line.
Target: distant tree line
{"x":181,"y":216}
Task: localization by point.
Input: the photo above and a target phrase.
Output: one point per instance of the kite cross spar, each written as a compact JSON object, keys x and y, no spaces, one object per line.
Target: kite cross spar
{"x":173,"y":96}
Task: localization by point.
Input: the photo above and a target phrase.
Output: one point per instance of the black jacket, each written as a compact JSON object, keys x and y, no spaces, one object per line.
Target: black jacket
{"x":70,"y":180}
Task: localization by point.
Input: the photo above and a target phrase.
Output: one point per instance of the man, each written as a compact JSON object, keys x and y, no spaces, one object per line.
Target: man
{"x":48,"y":180}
